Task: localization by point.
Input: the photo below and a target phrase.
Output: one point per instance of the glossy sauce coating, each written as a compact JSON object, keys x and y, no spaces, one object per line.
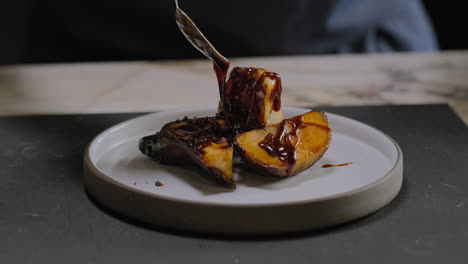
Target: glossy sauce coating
{"x":336,"y":165}
{"x":245,"y":93}
{"x":281,"y":145}
{"x":221,"y":73}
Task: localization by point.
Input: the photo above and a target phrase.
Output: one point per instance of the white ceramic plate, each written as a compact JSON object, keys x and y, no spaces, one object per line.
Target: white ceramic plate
{"x":123,"y":179}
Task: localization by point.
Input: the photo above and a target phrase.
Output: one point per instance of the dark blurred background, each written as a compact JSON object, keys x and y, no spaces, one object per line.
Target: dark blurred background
{"x":448,"y":19}
{"x":36,"y":31}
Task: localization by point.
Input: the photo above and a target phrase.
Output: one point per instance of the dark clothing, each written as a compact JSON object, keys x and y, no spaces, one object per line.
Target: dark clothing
{"x":81,"y":30}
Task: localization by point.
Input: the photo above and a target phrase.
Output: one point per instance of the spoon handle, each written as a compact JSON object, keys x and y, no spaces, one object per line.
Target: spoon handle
{"x":197,"y":39}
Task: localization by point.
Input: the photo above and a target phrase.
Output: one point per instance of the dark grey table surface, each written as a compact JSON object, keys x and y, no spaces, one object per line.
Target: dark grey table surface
{"x":46,"y":216}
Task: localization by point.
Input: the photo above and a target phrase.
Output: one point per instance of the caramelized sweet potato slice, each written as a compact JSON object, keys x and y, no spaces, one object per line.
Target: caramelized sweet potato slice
{"x":287,"y":148}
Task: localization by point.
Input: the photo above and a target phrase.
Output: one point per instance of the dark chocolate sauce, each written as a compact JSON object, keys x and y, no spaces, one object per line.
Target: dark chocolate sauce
{"x":221,"y":73}
{"x":283,"y":144}
{"x":337,"y":165}
{"x":240,"y":95}
{"x":245,"y":94}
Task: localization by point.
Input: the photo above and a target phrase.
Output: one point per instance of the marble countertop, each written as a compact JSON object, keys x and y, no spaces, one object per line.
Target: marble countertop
{"x":401,"y":78}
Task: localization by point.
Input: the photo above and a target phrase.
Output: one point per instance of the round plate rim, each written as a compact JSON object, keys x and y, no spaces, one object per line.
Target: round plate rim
{"x":91,"y":165}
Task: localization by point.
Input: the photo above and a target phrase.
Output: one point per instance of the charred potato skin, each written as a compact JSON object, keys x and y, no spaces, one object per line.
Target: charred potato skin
{"x":192,"y":132}
{"x":261,"y":168}
{"x":185,"y":142}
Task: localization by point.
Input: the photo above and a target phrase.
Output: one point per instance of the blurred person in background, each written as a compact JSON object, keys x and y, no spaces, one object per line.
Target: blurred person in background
{"x":97,"y":30}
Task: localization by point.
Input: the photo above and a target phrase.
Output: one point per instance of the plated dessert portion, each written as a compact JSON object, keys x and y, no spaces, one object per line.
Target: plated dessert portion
{"x":249,"y":123}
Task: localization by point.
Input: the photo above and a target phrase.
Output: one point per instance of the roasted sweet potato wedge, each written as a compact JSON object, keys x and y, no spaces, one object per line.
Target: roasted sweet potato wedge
{"x":200,"y":141}
{"x":287,"y":148}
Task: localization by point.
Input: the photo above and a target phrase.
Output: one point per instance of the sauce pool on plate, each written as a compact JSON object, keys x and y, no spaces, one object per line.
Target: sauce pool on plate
{"x":336,"y":165}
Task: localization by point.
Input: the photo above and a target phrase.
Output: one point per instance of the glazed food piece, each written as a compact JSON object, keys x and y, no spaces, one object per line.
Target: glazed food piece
{"x":249,"y":115}
{"x":252,"y":99}
{"x":201,"y":141}
{"x":287,"y":148}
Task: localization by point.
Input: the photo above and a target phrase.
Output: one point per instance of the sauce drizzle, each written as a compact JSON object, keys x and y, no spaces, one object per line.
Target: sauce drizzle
{"x":221,"y":72}
{"x":336,"y":165}
{"x":245,"y":97}
{"x":283,"y":144}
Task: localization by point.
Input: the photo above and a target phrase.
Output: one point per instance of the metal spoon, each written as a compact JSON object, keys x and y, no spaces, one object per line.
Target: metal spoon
{"x":198,"y":40}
